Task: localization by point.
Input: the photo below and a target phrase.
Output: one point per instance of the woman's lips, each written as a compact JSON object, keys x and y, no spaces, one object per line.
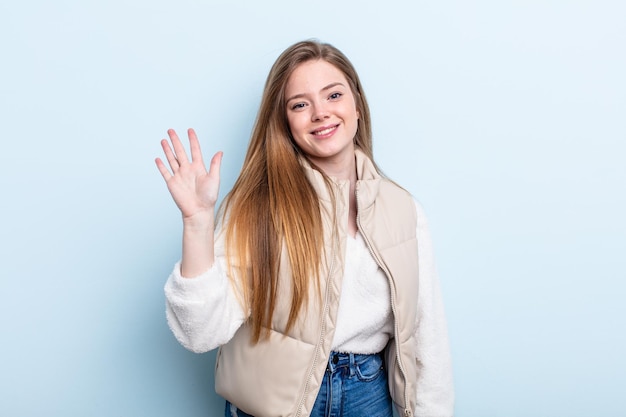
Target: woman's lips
{"x":325,"y":131}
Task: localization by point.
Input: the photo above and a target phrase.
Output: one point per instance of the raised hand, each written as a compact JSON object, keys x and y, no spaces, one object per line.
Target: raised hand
{"x":193,"y":188}
{"x":195,"y":192}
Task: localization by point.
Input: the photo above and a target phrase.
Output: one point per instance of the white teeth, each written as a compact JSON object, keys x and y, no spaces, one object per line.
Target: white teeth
{"x":325,"y":131}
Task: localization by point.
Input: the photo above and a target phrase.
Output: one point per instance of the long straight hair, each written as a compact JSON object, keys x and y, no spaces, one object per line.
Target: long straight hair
{"x":272,"y":202}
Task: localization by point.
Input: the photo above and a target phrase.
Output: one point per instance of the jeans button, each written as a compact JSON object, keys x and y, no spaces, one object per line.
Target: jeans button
{"x":335,"y":359}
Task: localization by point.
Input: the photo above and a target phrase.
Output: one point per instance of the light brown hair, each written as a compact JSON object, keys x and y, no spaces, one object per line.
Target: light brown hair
{"x":272,"y":203}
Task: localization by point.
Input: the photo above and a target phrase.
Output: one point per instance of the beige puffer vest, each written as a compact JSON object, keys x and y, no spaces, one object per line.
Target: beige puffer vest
{"x":280,"y":376}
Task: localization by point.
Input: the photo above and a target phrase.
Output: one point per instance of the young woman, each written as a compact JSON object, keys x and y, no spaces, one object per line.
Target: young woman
{"x":317,"y":280}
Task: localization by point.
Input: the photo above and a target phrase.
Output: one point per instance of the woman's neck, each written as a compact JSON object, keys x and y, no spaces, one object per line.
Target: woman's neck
{"x":341,"y":170}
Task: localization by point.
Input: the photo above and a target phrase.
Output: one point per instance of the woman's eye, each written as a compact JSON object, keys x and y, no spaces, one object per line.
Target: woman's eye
{"x":297,"y":106}
{"x":335,"y":96}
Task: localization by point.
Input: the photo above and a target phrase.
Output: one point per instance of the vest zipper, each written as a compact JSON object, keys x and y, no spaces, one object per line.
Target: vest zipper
{"x":407,"y":411}
{"x":324,"y":314}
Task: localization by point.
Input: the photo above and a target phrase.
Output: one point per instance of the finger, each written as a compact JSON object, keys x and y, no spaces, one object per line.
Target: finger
{"x":194,"y":145}
{"x":169,"y":154}
{"x":216,"y":163}
{"x":162,"y":169}
{"x":179,"y":150}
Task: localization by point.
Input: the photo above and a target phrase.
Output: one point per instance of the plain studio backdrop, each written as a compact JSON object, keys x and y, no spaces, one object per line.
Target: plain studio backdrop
{"x":506,"y":119}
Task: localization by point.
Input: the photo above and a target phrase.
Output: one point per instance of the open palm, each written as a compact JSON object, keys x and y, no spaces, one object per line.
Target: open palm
{"x":194,"y":189}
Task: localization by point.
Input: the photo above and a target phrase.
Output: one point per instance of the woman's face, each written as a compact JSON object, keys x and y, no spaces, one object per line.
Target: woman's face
{"x":321,"y":112}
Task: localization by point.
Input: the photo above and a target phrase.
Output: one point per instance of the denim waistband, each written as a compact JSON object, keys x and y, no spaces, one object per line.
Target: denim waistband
{"x":338,"y":360}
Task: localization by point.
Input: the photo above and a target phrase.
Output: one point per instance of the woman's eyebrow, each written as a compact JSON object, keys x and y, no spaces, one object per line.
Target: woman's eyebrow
{"x":331,"y":85}
{"x":328,"y":87}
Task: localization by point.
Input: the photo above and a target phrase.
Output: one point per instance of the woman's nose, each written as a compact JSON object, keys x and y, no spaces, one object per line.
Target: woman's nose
{"x":320,"y":112}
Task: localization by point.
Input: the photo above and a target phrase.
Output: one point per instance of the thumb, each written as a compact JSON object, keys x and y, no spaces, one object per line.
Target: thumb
{"x":216,"y":163}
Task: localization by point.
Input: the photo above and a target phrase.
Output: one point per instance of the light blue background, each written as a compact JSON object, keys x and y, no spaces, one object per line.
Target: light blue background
{"x":505,"y":118}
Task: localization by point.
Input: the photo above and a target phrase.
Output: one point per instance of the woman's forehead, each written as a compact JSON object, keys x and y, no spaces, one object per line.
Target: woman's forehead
{"x":313,"y":77}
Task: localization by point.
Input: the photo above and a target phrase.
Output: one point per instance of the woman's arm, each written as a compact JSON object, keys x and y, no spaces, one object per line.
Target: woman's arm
{"x":435,"y":390}
{"x":203,"y":312}
{"x":195,"y":192}
{"x":202,"y":309}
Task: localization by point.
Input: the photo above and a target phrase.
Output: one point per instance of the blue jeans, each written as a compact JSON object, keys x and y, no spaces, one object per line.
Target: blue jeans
{"x":353,"y":386}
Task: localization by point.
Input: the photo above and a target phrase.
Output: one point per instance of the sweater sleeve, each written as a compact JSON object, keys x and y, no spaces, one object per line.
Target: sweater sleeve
{"x":203,"y":312}
{"x":435,"y":390}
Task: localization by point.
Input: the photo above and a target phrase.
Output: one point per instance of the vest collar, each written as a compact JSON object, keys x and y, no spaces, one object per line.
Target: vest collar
{"x":368,"y":179}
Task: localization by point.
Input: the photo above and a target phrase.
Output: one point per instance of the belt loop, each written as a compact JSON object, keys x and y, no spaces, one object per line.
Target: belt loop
{"x":352,"y":364}
{"x":333,"y":360}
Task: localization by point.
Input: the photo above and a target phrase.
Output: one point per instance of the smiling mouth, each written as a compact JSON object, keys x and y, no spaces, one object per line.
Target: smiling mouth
{"x":325,"y":131}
